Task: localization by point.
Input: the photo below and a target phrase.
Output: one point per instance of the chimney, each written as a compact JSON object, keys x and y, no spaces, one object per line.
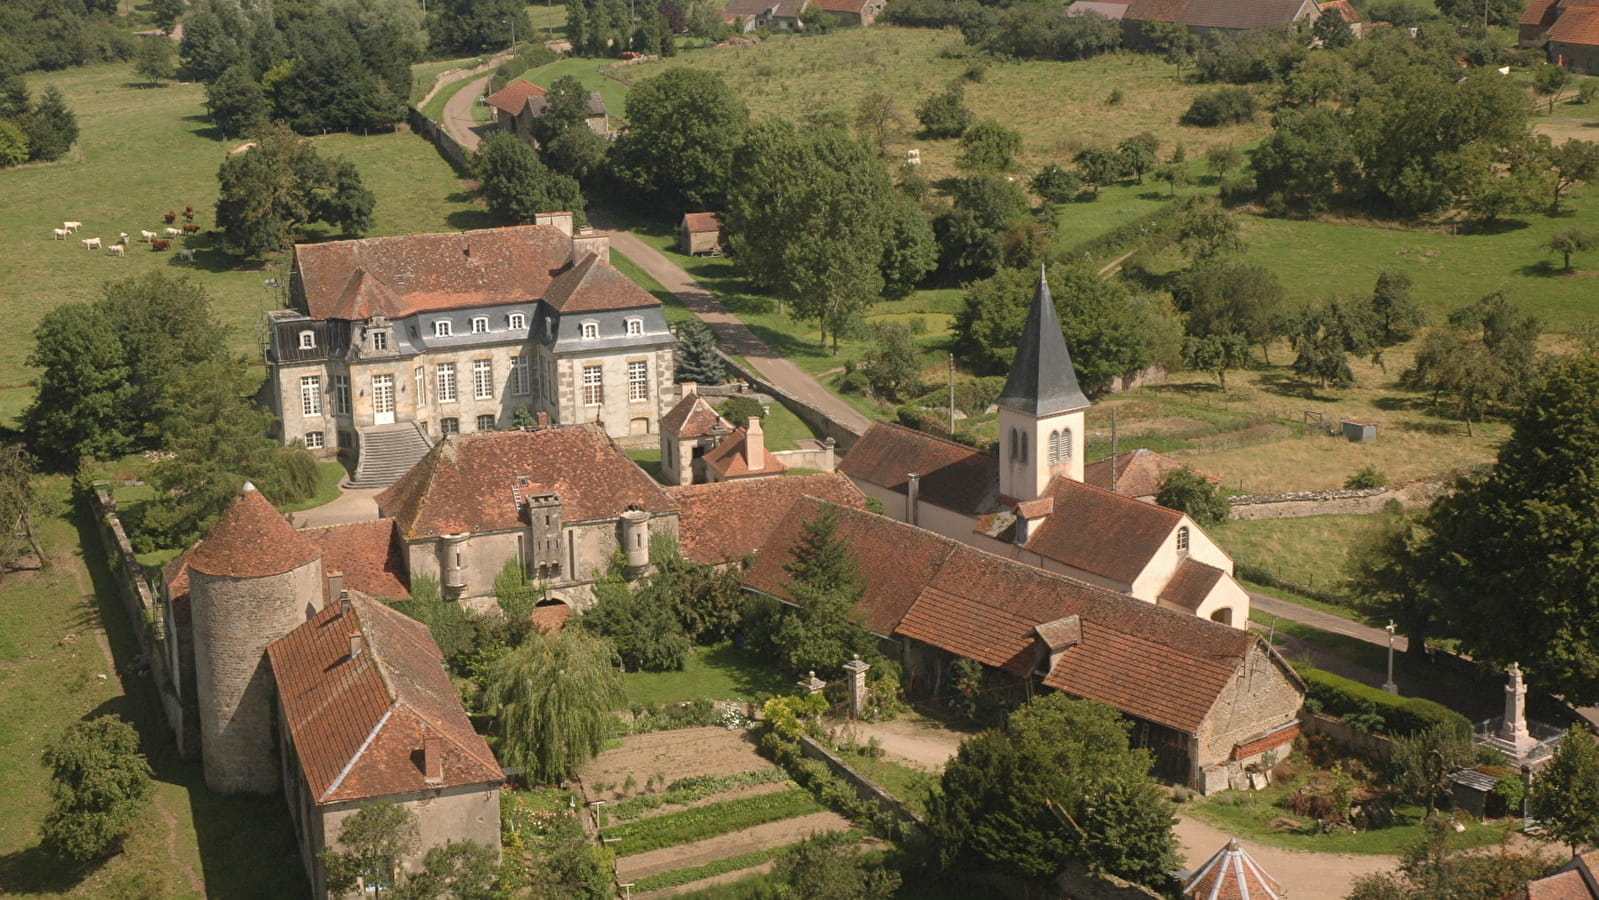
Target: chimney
{"x":913,"y":495}
{"x":755,"y":445}
{"x":588,"y":241}
{"x":336,"y":584}
{"x":560,"y":221}
{"x":687,"y":389}
{"x":544,"y":419}
{"x":355,"y":645}
{"x":432,"y":759}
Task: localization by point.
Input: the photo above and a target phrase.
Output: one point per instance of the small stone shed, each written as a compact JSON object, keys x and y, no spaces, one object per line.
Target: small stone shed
{"x":700,"y":233}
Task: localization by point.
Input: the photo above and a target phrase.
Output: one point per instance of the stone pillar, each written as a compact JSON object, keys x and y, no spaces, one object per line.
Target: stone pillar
{"x":1514,"y":730}
{"x":810,"y":684}
{"x":829,"y":458}
{"x":857,"y":685}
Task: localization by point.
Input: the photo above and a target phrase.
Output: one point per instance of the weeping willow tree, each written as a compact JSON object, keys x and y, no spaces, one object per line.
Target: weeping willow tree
{"x":556,"y":696}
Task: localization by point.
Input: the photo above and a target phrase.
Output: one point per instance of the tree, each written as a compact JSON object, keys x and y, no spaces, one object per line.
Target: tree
{"x":1389,"y":580}
{"x":1397,"y":314}
{"x":683,"y":126}
{"x":1059,"y":784}
{"x":1223,"y":159}
{"x":1189,"y":492}
{"x":697,"y":359}
{"x":19,"y":506}
{"x":890,"y":364}
{"x":1206,"y":231}
{"x":944,"y":114}
{"x":642,"y":625}
{"x":165,"y":13}
{"x":555,"y":696}
{"x":1487,"y":356}
{"x":1221,"y":106}
{"x":155,"y":59}
{"x":281,"y":184}
{"x":1549,"y":80}
{"x":208,"y":48}
{"x":1422,"y":763}
{"x":910,"y":251}
{"x":13,"y":145}
{"x":1331,"y":29}
{"x":14,"y":100}
{"x":99,"y":785}
{"x":565,"y":108}
{"x":1231,"y":298}
{"x":876,"y":120}
{"x":1325,"y":337}
{"x":828,"y":867}
{"x":373,"y":844}
{"x":578,"y":152}
{"x":1055,"y":184}
{"x":51,"y":127}
{"x":1307,"y":159}
{"x":1571,"y":240}
{"x":459,"y":870}
{"x":823,"y":631}
{"x":472,"y":26}
{"x":1174,"y":174}
{"x":1098,"y":167}
{"x":1138,"y":154}
{"x":989,"y":146}
{"x":1434,"y":869}
{"x":238,"y":105}
{"x":1565,"y":796}
{"x":517,"y":185}
{"x":966,"y":250}
{"x":1216,"y":354}
{"x":1568,"y":164}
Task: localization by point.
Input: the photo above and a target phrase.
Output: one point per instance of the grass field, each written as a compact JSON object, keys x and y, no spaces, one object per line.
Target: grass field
{"x":144,"y":151}
{"x":1312,"y":551}
{"x":1251,"y":815}
{"x":722,"y":672}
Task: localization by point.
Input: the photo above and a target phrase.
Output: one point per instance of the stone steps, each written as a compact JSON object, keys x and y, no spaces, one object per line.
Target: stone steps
{"x":388,"y":452}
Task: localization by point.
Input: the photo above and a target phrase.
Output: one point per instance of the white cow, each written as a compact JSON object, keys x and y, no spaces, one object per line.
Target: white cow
{"x":72,"y":226}
{"x":60,"y":233}
{"x":91,"y":243}
{"x":147,"y":236}
{"x":116,"y":249}
{"x":173,"y":232}
{"x":122,"y":238}
{"x":186,"y":255}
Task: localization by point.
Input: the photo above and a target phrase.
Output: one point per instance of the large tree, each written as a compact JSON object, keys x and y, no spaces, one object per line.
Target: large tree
{"x":51,"y":127}
{"x":237,"y":103}
{"x":823,"y":630}
{"x":1565,"y":797}
{"x":555,"y":696}
{"x":99,"y":784}
{"x":1486,"y":357}
{"x":519,"y":186}
{"x":372,"y":845}
{"x":682,"y":128}
{"x":280,"y":185}
{"x":1231,"y":298}
{"x":1059,"y":784}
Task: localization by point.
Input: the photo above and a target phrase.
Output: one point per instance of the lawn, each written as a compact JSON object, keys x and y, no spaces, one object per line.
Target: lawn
{"x":63,"y":642}
{"x":722,"y":672}
{"x":909,"y":785}
{"x":329,"y":474}
{"x":147,"y":150}
{"x":1250,"y":815}
{"x":1312,"y":551}
{"x":424,"y":74}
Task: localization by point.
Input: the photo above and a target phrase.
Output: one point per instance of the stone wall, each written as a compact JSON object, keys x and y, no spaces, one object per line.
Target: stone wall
{"x":435,"y":133}
{"x":1373,"y":747}
{"x":819,"y":421}
{"x":865,"y":787}
{"x":139,"y":602}
{"x":1365,"y":501}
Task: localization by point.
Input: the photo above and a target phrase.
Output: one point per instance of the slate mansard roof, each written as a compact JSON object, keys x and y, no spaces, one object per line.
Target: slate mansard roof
{"x":361,"y":711}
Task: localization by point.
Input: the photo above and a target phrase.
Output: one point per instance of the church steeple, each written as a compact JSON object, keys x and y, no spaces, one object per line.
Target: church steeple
{"x":1041,"y":407}
{"x":1042,"y":381}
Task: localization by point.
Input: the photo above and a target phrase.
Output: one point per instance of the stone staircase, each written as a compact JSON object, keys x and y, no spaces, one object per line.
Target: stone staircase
{"x":387,"y":452}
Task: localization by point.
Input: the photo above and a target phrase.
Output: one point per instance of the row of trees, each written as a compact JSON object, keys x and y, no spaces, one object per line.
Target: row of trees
{"x":33,"y":131}
{"x":57,"y":34}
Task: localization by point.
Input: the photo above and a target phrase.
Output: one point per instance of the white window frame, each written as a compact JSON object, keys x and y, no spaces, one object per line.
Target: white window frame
{"x":445,"y":376}
{"x":593,"y":385}
{"x":521,"y":376}
{"x":315,"y":440}
{"x":449,"y":425}
{"x":442,"y":328}
{"x":480,"y":324}
{"x":589,"y":331}
{"x":380,"y":340}
{"x":1183,"y":539}
{"x":515,"y":321}
{"x":307,"y":340}
{"x":341,"y":395}
{"x":493,"y":422}
{"x":638,"y":381}
{"x":311,"y":395}
{"x":483,"y":379}
{"x":635,"y":327}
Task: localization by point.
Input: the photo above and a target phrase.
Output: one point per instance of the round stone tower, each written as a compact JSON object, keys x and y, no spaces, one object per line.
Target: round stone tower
{"x":636,"y":541}
{"x":252,"y":579}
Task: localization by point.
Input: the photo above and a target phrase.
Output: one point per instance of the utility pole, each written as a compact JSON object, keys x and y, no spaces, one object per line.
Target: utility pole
{"x":1114,"y":479}
{"x":952,"y":393}
{"x":1389,"y":685}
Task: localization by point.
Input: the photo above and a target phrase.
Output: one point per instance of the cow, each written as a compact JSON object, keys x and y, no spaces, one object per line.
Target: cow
{"x":60,"y":233}
{"x":72,"y":226}
{"x":171,"y":216}
{"x":116,"y":249}
{"x":147,"y":236}
{"x":186,"y":255}
{"x":160,"y":244}
{"x":91,"y":243}
{"x":171,"y":232}
{"x":191,"y":229}
{"x":123,"y":238}
{"x":188,"y":214}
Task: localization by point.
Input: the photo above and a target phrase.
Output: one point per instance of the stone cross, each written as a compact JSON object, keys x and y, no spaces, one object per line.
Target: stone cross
{"x":858,"y":693}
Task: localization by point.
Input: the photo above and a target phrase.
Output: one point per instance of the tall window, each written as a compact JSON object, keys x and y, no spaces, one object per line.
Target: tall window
{"x":635,"y":327}
{"x":441,"y":328}
{"x":341,"y":395}
{"x":591,"y":330}
{"x":593,"y":386}
{"x":1182,"y":539}
{"x":1065,"y":445}
{"x":307,"y":340}
{"x":446,"y":382}
{"x":638,"y":381}
{"x":420,"y":374}
{"x":515,"y":321}
{"x":313,"y":440}
{"x":485,"y":423}
{"x":480,"y":324}
{"x":521,"y":380}
{"x":1054,"y":447}
{"x":380,"y":340}
{"x":483,"y":379}
{"x":311,"y":395}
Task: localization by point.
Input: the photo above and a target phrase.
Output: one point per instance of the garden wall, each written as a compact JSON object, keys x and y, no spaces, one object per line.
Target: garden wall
{"x":1364,"y":501}
{"x":865,"y":787}
{"x":819,"y":422}
{"x":435,"y":133}
{"x":1373,"y":747}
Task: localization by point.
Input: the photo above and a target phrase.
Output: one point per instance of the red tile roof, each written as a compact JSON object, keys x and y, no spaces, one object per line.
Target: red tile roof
{"x":471,"y":483}
{"x":593,"y":286}
{"x":366,"y":553}
{"x":1096,"y":531}
{"x":1191,"y":584}
{"x":1242,"y":15}
{"x":1576,"y":26}
{"x":1349,"y":14}
{"x":731,"y":459}
{"x":1138,"y":473}
{"x":728,"y":520}
{"x":1156,"y":664}
{"x":1155,"y":10}
{"x":251,"y":540}
{"x":707,"y":222}
{"x":1541,"y":13}
{"x":1232,"y":874}
{"x":412,"y":273}
{"x":692,"y":417}
{"x":1576,"y":880}
{"x":515,"y":95}
{"x":954,"y":476}
{"x":358,"y":724}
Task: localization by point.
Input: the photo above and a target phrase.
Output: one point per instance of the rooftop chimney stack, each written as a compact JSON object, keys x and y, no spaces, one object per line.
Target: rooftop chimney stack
{"x":432,"y":759}
{"x":336,"y":585}
{"x":755,"y":445}
{"x":913,"y":494}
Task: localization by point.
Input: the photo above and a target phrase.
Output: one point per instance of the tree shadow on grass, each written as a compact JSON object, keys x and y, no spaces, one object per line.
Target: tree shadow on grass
{"x":1493,"y":227}
{"x":1544,"y":268}
{"x":37,"y":871}
{"x":750,"y":674}
{"x":1292,"y":386}
{"x":470,"y":219}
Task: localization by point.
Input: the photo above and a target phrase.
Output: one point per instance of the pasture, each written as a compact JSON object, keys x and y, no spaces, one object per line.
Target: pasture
{"x":142,"y":152}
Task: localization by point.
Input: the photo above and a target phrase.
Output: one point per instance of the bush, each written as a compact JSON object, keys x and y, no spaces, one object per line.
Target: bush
{"x":100,"y":784}
{"x":1237,"y":189}
{"x":1191,"y":493}
{"x":1367,"y":477}
{"x":1339,"y":696}
{"x":738,"y":411}
{"x":1222,"y":106}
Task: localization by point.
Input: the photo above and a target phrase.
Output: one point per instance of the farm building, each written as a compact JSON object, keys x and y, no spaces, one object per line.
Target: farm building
{"x":1202,"y":16}
{"x":699,"y":233}
{"x":519,"y":103}
{"x":1136,"y":473}
{"x":722,"y":523}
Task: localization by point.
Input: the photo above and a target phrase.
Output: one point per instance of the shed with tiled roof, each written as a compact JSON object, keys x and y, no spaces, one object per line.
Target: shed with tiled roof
{"x":700,"y":233}
{"x":689,"y":430}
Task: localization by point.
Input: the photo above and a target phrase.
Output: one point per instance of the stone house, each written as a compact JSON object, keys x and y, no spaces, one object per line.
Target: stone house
{"x":689,"y":430}
{"x":560,"y":500}
{"x":699,"y":233}
{"x":776,"y":15}
{"x":1210,"y":701}
{"x":1136,"y":473}
{"x":1031,"y":503}
{"x":1573,"y":38}
{"x":395,"y":342}
{"x":519,"y":103}
{"x":853,"y":12}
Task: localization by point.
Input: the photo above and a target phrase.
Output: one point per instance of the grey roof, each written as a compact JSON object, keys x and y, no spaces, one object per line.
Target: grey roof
{"x":1042,"y":381}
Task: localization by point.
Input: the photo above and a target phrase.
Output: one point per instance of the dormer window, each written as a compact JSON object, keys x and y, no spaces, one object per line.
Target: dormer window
{"x":441,"y":328}
{"x":591,"y":331}
{"x":1182,"y":539}
{"x":635,"y":327}
{"x":515,"y":321}
{"x":380,"y":340}
{"x":307,"y":340}
{"x":480,"y":324}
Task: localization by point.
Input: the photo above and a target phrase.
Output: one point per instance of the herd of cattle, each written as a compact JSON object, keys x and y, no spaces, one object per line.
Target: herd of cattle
{"x":157,"y":242}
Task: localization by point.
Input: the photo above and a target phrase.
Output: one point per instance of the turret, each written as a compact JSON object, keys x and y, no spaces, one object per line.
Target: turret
{"x":1041,"y":408}
{"x":636,"y":541}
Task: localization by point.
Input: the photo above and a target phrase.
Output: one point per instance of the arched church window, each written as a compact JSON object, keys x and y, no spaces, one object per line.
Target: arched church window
{"x":1065,"y":445}
{"x":1182,"y":539}
{"x":1054,"y":447}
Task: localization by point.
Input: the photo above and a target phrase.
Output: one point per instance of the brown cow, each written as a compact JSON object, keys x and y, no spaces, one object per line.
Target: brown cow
{"x":171,"y":216}
{"x":160,"y":244}
{"x":191,"y":229}
{"x":188,"y":214}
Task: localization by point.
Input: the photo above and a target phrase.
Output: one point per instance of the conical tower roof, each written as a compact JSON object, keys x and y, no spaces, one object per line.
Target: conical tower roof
{"x":1042,"y":381}
{"x":251,"y":540}
{"x":1232,"y":874}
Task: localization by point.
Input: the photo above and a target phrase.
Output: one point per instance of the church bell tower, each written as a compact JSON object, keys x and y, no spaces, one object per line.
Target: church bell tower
{"x":1041,"y":408}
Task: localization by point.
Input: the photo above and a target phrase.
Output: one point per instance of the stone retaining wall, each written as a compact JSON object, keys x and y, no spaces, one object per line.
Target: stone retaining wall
{"x":820,"y":423}
{"x":865,"y":787}
{"x":435,"y":133}
{"x":1373,"y":747}
{"x":1364,"y":501}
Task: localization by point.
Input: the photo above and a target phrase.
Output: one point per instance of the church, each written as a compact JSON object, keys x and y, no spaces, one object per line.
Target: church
{"x":1032,"y":505}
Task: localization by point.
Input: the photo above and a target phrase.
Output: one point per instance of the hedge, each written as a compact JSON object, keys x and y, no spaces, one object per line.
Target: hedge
{"x":1399,"y":716}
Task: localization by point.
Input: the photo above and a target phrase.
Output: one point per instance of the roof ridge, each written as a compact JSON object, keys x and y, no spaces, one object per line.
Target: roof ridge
{"x":975,"y":451}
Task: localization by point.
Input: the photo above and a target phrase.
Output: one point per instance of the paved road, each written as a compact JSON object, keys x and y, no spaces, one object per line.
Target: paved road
{"x":458,"y":113}
{"x":1262,"y":605}
{"x":736,"y":337}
